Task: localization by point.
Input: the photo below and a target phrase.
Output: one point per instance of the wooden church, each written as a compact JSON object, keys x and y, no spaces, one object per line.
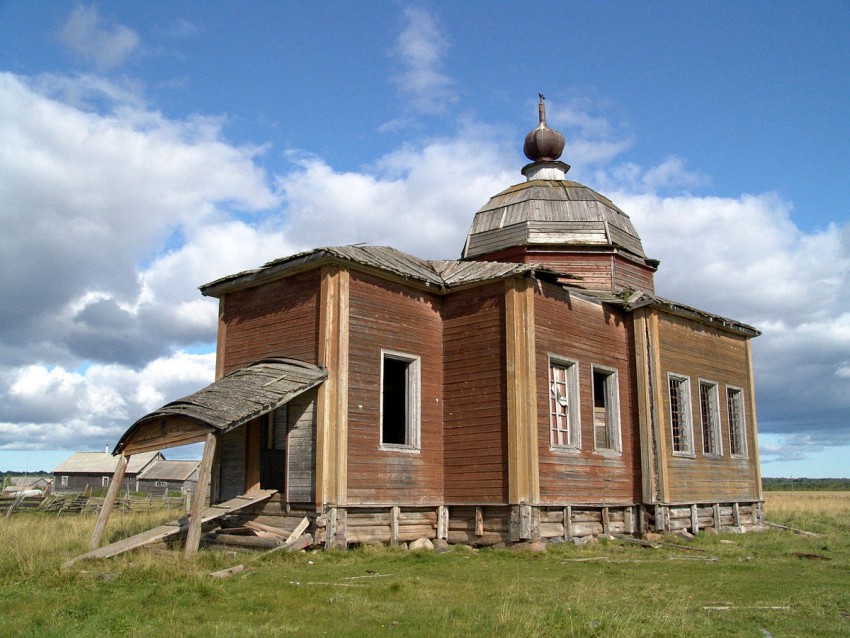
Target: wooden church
{"x":535,"y":388}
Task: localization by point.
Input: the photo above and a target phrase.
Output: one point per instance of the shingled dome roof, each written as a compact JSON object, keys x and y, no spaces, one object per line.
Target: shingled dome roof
{"x":550,"y":212}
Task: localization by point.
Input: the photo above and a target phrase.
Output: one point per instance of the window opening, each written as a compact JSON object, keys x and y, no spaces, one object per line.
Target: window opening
{"x":563,"y":404}
{"x":709,"y":408}
{"x":680,"y":414}
{"x":606,"y":409}
{"x":400,"y":401}
{"x":737,"y":431}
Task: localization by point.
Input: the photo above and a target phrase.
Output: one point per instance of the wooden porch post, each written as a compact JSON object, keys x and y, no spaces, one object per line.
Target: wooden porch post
{"x":193,"y":538}
{"x":108,"y":502}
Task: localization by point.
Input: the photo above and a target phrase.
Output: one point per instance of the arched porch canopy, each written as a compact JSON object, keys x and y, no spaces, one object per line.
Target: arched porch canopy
{"x":231,"y":401}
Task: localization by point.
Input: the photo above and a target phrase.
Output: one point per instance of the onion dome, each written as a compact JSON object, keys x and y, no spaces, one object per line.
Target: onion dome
{"x":543,"y":143}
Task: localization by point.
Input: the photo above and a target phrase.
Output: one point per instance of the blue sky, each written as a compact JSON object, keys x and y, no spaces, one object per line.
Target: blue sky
{"x":146,"y":148}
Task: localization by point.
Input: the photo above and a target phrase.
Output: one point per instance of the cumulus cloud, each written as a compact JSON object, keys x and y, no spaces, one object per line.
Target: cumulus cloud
{"x":419,"y":199}
{"x":88,"y":196}
{"x":48,"y":407}
{"x":94,"y":41}
{"x":420,"y":49}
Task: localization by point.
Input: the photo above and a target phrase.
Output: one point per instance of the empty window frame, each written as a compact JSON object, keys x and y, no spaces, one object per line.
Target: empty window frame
{"x":606,"y":409}
{"x":564,"y":418}
{"x":104,"y":481}
{"x":737,"y":425}
{"x":63,"y":481}
{"x":680,"y":414}
{"x":709,"y":409}
{"x":400,"y":404}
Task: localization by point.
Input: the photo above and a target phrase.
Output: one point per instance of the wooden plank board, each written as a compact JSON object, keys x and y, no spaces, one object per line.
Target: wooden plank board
{"x":171,"y":529}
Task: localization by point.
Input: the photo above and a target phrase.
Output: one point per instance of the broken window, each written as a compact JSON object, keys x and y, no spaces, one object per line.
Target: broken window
{"x":563,"y":404}
{"x":680,"y":414}
{"x":606,"y":409}
{"x":737,"y":430}
{"x":399,"y":401}
{"x":709,"y":408}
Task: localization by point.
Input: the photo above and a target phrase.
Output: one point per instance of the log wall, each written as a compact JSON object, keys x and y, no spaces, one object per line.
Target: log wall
{"x":698,"y":351}
{"x":590,"y":334}
{"x":385,"y":315}
{"x":474,"y":391}
{"x":277,"y":319}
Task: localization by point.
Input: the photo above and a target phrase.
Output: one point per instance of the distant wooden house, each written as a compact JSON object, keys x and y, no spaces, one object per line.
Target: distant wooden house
{"x":87,"y":471}
{"x":535,"y":388}
{"x":17,"y":484}
{"x":164,"y":476}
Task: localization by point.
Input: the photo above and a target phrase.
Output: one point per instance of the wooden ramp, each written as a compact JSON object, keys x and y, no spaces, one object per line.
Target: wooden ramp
{"x":173,"y":528}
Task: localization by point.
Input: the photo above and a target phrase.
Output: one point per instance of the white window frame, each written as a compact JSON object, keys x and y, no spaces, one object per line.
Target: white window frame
{"x":740,"y":426}
{"x":160,"y":483}
{"x":413,"y":406}
{"x":612,"y":409}
{"x":63,"y":480}
{"x":104,"y":481}
{"x":685,"y":412}
{"x":571,"y":412}
{"x":712,"y":418}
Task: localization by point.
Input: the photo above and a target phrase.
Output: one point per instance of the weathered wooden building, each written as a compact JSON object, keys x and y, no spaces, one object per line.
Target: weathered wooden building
{"x":536,"y":387}
{"x":163,"y":476}
{"x":87,"y":471}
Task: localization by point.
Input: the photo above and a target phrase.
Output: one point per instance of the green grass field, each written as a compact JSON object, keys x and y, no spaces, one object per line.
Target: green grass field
{"x":772,"y":583}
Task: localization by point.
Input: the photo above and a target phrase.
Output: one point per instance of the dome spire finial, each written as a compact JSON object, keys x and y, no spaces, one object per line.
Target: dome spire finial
{"x":543,"y":146}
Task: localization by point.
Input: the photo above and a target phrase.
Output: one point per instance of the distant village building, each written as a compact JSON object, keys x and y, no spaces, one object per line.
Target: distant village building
{"x":535,"y":388}
{"x":18,"y":484}
{"x":164,"y":476}
{"x":88,"y":471}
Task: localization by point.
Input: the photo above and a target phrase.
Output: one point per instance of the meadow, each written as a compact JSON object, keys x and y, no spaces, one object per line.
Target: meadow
{"x":775,"y":583}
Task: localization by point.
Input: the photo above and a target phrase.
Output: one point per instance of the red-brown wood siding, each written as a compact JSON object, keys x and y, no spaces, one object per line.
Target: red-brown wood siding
{"x":386,"y":315}
{"x":279,"y":318}
{"x":474,"y":407}
{"x":590,"y":334}
{"x":601,"y":271}
{"x":697,"y":351}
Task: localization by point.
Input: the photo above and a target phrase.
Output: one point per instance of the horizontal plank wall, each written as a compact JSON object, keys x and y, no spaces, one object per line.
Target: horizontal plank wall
{"x":590,"y":334}
{"x":391,"y":316}
{"x":474,"y":408}
{"x":692,"y":349}
{"x":279,"y":318}
{"x":301,"y":449}
{"x":603,"y":270}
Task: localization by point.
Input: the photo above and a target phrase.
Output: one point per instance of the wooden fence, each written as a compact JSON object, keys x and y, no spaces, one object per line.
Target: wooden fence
{"x":84,"y":504}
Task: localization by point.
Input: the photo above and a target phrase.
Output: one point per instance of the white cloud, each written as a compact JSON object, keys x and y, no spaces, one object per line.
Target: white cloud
{"x":105,"y":46}
{"x":84,"y":410}
{"x":420,"y":49}
{"x":88,"y":196}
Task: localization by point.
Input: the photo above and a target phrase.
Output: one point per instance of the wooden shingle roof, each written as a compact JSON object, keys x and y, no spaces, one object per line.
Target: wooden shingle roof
{"x":550,"y":212}
{"x":231,"y":401}
{"x":439,"y":275}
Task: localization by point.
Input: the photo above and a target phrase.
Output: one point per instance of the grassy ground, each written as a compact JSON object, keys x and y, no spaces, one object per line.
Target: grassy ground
{"x":773,"y":583}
